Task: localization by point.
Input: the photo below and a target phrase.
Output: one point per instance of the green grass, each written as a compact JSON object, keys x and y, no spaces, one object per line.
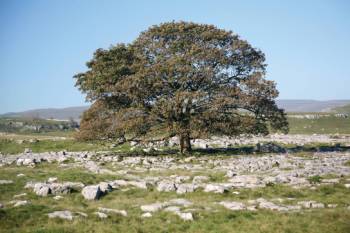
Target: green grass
{"x":10,"y":125}
{"x":315,"y":179}
{"x":11,"y":147}
{"x":33,"y":218}
{"x":323,"y":125}
{"x":344,"y":109}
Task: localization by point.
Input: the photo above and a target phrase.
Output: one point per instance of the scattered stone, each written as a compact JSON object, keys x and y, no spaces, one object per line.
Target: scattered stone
{"x":57,"y":198}
{"x":180,"y":179}
{"x":230,"y":173}
{"x":27,"y":151}
{"x":215,"y":188}
{"x":152,"y":207}
{"x":57,"y":188}
{"x":200,"y":179}
{"x":332,"y":205}
{"x":179,"y":201}
{"x":185,"y":188}
{"x":20,"y":175}
{"x":105,"y":187}
{"x":252,"y":208}
{"x":264,"y":204}
{"x":173,"y":209}
{"x":233,"y":205}
{"x":44,"y":189}
{"x":166,"y":186}
{"x":185,"y":216}
{"x":41,"y":189}
{"x":330,"y":181}
{"x":20,"y":195}
{"x":246,"y":181}
{"x":311,"y":204}
{"x":52,"y":179}
{"x":21,"y":203}
{"x":117,"y":183}
{"x":82,"y":214}
{"x":101,"y":215}
{"x":146,"y":215}
{"x":65,"y":214}
{"x":114,"y":211}
{"x":92,"y":192}
{"x":6,"y":182}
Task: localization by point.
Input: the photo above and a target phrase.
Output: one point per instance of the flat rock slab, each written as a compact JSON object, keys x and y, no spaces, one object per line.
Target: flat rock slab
{"x":6,"y":182}
{"x":113,"y":211}
{"x":64,"y":214}
{"x":92,"y":192}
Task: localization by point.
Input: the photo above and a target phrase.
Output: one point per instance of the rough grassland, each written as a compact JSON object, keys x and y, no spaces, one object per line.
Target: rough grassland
{"x":323,"y":125}
{"x":33,"y":217}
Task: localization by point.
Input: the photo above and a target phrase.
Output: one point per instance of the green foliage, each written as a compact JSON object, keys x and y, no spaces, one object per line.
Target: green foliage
{"x":315,"y":179}
{"x":183,"y":79}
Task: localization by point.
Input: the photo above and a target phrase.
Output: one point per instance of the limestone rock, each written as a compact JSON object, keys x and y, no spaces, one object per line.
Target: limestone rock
{"x":179,"y":201}
{"x":105,"y":187}
{"x":311,"y":204}
{"x":185,"y":188}
{"x":92,"y":192}
{"x":101,"y":215}
{"x":185,"y":216}
{"x":114,"y":211}
{"x":65,"y":214}
{"x":6,"y":181}
{"x":21,"y":203}
{"x":152,"y":207}
{"x":52,"y":179}
{"x":166,"y":186}
{"x":20,"y":195}
{"x":146,"y":215}
{"x":41,"y":189}
{"x":215,"y":188}
{"x":232,"y":205}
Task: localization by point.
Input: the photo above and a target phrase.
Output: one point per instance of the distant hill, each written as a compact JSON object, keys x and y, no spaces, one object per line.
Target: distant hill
{"x":288,"y":105}
{"x":343,"y":109}
{"x":48,"y":113}
{"x":311,"y":105}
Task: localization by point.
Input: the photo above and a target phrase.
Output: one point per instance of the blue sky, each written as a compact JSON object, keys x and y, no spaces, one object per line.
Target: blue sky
{"x":44,"y":43}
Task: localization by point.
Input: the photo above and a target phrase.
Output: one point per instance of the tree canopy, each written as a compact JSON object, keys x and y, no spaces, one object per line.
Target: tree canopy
{"x":180,"y":79}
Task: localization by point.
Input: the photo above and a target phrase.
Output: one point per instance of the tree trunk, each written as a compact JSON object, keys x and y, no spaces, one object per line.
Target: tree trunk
{"x":185,"y":144}
{"x":188,"y":147}
{"x":182,"y":144}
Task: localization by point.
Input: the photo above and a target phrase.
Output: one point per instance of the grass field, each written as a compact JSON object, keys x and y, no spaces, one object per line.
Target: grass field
{"x":344,"y":109}
{"x":209,"y":217}
{"x":323,"y":125}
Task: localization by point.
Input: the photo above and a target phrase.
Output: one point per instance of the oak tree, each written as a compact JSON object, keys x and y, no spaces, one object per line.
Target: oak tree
{"x":181,"y":79}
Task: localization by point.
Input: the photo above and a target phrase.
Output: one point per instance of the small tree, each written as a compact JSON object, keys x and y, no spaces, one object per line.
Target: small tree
{"x":185,"y":79}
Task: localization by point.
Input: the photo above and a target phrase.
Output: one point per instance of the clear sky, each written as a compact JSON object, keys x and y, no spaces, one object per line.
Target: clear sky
{"x":44,"y":43}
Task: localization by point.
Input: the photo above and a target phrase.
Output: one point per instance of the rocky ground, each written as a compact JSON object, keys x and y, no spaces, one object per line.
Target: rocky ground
{"x":198,"y":194}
